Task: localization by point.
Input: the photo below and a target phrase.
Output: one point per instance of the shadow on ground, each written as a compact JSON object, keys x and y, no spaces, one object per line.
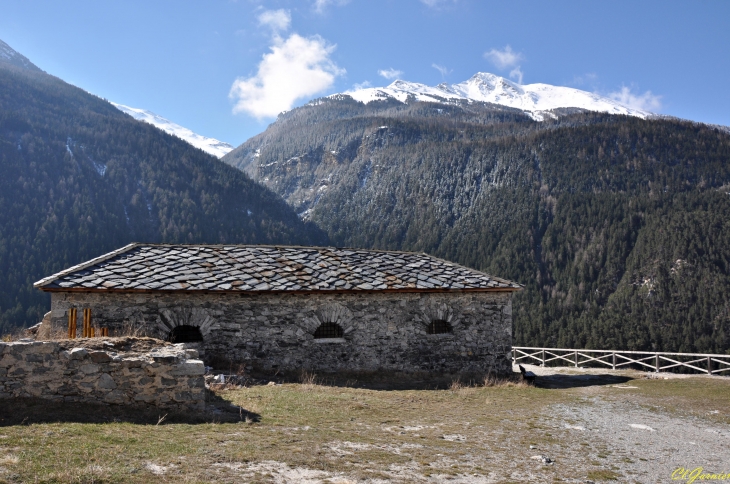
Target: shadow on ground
{"x":383,"y":380}
{"x":394,"y":381}
{"x":574,"y":381}
{"x":27,"y":411}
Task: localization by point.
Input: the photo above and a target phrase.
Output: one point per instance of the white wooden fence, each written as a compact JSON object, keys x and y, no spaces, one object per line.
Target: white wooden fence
{"x":616,"y":359}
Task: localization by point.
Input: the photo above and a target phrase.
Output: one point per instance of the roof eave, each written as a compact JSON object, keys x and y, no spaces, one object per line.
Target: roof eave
{"x":47,"y":280}
{"x":310,"y":291}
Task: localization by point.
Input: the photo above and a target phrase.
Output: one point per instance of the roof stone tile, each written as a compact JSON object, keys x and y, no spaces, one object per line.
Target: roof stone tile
{"x":268,"y":268}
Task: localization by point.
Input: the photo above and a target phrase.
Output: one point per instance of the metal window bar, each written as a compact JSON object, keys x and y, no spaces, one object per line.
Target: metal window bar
{"x":438,"y":326}
{"x":656,"y":361}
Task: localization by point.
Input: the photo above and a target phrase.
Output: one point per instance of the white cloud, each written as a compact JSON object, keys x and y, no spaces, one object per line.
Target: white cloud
{"x":319,"y":6}
{"x":436,"y":3}
{"x":587,"y":78}
{"x":296,"y":68}
{"x":277,"y":20}
{"x":504,"y":58}
{"x":361,"y":85}
{"x":390,"y":73}
{"x":443,"y":70}
{"x":646,"y":101}
{"x":516,"y":74}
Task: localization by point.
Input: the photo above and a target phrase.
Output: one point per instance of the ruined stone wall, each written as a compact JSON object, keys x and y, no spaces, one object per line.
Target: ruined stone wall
{"x":383,"y":331}
{"x":124,"y":371}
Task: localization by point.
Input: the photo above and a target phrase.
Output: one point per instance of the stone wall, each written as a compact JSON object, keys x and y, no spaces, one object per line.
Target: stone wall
{"x":383,"y":331}
{"x":124,"y":371}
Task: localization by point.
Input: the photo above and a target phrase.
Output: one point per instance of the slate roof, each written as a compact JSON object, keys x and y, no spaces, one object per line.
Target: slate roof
{"x":255,"y":269}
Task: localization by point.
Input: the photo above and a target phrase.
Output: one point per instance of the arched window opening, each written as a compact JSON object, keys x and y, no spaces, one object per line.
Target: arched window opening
{"x":438,"y":326}
{"x":185,"y":334}
{"x":329,"y":330}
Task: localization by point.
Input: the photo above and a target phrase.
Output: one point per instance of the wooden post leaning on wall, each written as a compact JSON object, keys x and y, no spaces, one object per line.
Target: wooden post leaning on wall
{"x":88,"y":330}
{"x":72,"y":323}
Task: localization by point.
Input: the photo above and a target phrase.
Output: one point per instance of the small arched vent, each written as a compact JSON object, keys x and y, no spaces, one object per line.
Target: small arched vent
{"x":438,"y":326}
{"x":329,"y":330}
{"x":185,"y":334}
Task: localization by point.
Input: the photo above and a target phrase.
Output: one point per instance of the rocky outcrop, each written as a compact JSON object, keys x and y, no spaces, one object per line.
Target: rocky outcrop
{"x":115,"y":371}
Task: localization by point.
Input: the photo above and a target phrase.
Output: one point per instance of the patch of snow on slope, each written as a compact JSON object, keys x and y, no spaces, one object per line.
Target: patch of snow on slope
{"x":11,"y":56}
{"x":209,"y":145}
{"x":534,"y":99}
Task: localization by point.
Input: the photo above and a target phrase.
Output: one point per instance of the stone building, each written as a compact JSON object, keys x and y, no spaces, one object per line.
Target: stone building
{"x":292,"y":308}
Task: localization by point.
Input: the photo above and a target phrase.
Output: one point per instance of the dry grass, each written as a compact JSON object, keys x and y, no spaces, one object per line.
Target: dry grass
{"x":58,"y":333}
{"x":464,"y":433}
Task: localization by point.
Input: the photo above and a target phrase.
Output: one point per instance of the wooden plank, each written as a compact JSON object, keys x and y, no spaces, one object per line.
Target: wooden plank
{"x":578,"y":357}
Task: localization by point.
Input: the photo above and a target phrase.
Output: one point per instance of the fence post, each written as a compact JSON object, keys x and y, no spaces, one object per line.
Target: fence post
{"x":543,"y":357}
{"x":514,"y":355}
{"x":709,"y":365}
{"x":613,"y":357}
{"x":576,"y":358}
{"x":656,"y":362}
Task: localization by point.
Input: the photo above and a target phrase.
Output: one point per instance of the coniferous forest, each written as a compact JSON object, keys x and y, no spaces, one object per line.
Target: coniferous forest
{"x":618,"y":227}
{"x":78,"y":178}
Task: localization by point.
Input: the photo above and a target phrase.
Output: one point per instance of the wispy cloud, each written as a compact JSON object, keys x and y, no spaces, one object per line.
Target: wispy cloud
{"x":361,"y":85}
{"x":516,"y":74}
{"x":443,"y":70}
{"x":437,"y":3}
{"x":320,"y":6}
{"x":646,"y":101}
{"x":587,"y":78}
{"x":504,"y":58}
{"x":276,"y":20}
{"x":297,"y":67}
{"x":390,"y":73}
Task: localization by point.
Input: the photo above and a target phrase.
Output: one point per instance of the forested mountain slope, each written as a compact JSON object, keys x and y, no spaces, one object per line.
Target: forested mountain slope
{"x":79,"y":178}
{"x":618,"y":227}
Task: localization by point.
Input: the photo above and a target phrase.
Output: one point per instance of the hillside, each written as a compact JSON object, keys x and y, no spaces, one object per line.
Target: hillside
{"x":616,"y":225}
{"x":79,"y":178}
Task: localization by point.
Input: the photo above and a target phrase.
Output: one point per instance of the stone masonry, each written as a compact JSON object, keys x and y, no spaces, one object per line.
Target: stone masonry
{"x":285,"y":308}
{"x":123,"y":371}
{"x":382,"y":331}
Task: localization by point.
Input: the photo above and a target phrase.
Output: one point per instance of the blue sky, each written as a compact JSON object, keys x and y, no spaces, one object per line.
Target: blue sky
{"x":201,"y":64}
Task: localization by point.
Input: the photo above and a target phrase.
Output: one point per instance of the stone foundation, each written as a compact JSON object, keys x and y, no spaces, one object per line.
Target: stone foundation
{"x":270,"y":332}
{"x":120,"y":371}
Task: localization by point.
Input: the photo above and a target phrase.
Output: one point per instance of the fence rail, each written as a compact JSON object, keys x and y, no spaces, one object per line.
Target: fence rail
{"x":616,"y":359}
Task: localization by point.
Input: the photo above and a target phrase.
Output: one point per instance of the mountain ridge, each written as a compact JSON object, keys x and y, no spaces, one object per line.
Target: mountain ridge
{"x":13,"y":57}
{"x":211,"y":146}
{"x":539,"y":100}
{"x":79,"y":178}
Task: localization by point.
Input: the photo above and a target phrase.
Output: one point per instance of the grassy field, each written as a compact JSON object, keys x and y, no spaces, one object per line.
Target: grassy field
{"x":306,"y":432}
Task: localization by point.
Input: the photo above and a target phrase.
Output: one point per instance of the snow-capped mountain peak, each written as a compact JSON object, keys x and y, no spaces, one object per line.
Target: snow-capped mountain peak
{"x":209,"y":145}
{"x":537,"y":100}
